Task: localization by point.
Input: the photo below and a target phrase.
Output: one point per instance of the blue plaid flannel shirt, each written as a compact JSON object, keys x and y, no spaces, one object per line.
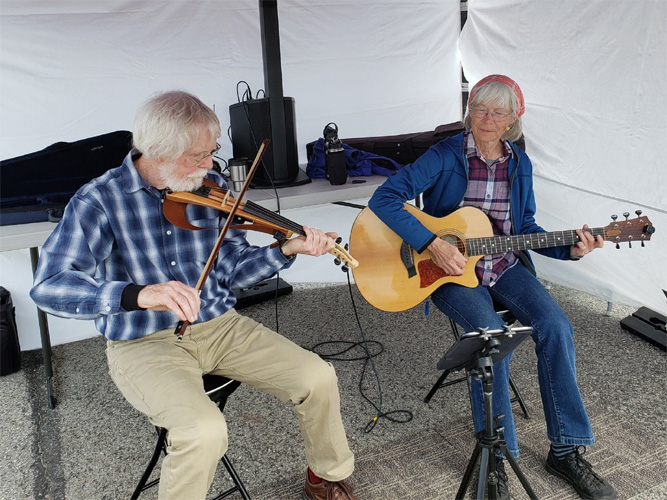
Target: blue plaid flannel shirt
{"x":113,"y":234}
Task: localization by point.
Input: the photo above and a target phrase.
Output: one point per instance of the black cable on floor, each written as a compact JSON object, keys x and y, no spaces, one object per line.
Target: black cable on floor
{"x":367,"y":357}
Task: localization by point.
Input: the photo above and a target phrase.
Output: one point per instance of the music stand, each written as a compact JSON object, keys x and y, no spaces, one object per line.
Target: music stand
{"x":476,"y":352}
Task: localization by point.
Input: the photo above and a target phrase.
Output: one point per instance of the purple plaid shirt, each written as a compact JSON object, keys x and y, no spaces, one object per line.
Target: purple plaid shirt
{"x":489,"y":190}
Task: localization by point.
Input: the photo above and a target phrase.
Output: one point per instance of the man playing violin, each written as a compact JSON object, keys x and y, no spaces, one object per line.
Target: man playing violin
{"x":115,"y":258}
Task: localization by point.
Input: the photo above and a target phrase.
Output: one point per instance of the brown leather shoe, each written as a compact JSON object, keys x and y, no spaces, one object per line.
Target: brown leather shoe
{"x":326,"y":490}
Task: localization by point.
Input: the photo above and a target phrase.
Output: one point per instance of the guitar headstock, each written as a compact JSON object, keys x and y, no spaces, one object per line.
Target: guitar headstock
{"x":343,"y":256}
{"x":637,"y":229}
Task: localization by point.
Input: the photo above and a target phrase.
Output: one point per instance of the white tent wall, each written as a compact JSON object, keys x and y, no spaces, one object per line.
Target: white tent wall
{"x":76,"y":69}
{"x":593,"y":76}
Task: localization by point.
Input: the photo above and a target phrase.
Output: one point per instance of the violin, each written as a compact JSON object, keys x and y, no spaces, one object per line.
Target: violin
{"x":248,"y":216}
{"x":238,"y":213}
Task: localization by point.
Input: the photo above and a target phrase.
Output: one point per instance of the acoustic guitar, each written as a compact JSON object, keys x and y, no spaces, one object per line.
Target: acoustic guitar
{"x":392,"y":276}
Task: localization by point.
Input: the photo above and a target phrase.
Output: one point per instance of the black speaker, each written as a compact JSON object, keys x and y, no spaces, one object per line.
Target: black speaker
{"x":250,"y":124}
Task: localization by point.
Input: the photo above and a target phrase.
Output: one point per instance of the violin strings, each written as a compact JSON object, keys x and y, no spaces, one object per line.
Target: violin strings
{"x":271,"y":216}
{"x":266,"y":214}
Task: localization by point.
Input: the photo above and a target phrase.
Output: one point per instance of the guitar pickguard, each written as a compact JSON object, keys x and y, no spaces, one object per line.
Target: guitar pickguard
{"x":429,"y":273}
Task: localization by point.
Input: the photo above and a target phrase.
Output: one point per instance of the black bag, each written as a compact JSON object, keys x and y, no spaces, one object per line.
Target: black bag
{"x":37,"y":186}
{"x":403,"y":148}
{"x":10,"y":351}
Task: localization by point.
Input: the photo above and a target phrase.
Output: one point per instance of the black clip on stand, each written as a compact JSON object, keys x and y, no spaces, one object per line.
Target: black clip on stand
{"x":476,"y":352}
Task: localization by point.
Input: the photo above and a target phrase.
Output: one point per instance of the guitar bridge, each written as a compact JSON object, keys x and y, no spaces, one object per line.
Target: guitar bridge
{"x":408,"y":260}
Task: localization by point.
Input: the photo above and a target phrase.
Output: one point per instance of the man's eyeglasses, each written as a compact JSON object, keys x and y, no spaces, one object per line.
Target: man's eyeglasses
{"x":498,"y":116}
{"x":201,"y":158}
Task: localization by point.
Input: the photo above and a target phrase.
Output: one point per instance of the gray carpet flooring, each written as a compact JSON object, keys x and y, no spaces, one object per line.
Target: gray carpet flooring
{"x":93,"y":445}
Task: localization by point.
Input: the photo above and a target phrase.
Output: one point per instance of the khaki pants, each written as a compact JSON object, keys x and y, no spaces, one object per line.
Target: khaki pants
{"x":162,"y":378}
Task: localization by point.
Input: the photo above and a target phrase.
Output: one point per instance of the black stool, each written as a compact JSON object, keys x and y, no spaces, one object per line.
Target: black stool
{"x":509,"y":319}
{"x":217,"y":388}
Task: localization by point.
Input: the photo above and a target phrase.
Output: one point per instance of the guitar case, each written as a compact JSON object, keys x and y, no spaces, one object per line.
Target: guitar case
{"x":37,"y":186}
{"x":404,"y":148}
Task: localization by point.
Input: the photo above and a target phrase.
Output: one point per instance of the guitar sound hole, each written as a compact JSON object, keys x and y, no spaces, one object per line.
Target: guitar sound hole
{"x":453,"y":240}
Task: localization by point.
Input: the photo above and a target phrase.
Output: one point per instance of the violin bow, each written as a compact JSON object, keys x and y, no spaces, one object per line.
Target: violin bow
{"x":182,"y":325}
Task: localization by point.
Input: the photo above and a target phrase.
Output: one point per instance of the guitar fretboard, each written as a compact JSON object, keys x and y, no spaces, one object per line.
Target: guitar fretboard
{"x":502,"y":244}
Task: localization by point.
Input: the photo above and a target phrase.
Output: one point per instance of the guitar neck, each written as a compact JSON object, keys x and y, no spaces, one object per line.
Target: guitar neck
{"x":502,"y":244}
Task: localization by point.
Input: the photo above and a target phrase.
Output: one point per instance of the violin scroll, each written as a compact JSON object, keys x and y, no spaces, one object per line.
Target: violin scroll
{"x":342,"y":256}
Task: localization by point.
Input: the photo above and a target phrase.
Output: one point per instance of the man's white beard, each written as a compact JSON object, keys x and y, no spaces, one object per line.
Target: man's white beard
{"x":187,"y":183}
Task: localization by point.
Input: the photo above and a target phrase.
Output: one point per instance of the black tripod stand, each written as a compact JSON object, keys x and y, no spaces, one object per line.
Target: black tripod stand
{"x":476,"y":352}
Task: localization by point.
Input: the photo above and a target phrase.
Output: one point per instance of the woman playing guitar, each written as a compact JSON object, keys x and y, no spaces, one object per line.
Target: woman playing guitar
{"x":483,"y":168}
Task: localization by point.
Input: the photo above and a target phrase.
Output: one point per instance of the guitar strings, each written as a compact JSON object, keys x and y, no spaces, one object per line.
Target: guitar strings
{"x":271,"y":216}
{"x":265,"y":214}
{"x":501,"y":244}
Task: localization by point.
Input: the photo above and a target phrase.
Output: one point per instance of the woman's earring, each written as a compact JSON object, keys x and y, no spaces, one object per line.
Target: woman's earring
{"x":508,"y":127}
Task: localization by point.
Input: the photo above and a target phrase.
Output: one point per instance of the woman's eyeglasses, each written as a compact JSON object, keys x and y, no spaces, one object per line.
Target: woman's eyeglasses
{"x":498,"y":116}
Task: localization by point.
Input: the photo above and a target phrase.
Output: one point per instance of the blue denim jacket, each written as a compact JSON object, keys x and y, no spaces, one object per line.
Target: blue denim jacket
{"x":441,"y":174}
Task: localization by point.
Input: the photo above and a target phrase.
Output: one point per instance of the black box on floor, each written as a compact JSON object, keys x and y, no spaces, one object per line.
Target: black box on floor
{"x":262,"y":291}
{"x":10,"y":349}
{"x":648,"y":325}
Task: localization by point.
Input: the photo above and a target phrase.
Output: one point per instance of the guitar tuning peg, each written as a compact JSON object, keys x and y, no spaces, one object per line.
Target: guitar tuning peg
{"x":638,"y":212}
{"x":629,"y":244}
{"x":614,"y":217}
{"x":626,"y":215}
{"x":339,"y":239}
{"x":618,"y":247}
{"x":337,"y":262}
{"x":643,"y":243}
{"x":347,"y":246}
{"x":345,"y":269}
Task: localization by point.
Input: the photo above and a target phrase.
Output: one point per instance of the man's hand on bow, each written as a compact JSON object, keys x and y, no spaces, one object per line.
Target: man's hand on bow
{"x":181,"y":299}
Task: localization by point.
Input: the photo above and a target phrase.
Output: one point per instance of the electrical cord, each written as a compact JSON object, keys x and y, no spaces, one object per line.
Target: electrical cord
{"x":247,"y":95}
{"x":367,"y":359}
{"x":256,"y":143}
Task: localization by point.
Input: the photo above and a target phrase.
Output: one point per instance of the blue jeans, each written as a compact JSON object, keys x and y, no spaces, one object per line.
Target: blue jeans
{"x":520,"y":292}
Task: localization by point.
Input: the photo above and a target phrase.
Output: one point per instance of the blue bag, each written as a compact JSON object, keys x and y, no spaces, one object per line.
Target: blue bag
{"x":358,"y":162}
